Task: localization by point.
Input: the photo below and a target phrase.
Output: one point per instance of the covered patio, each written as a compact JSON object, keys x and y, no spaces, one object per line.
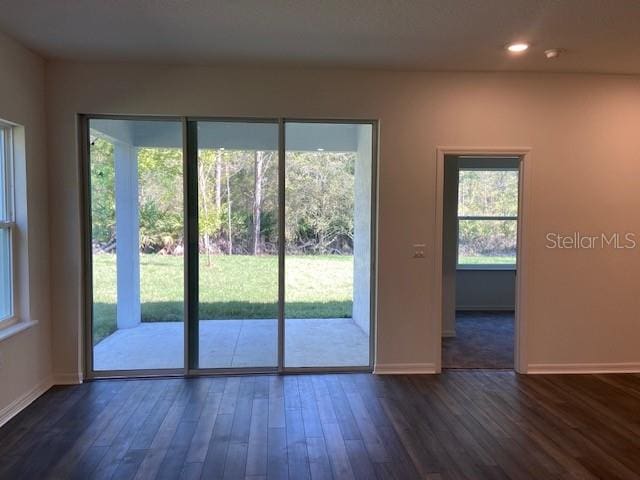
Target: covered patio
{"x":309,"y":342}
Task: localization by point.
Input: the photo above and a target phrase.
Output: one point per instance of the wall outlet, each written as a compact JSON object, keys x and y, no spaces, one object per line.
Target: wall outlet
{"x":419,"y":250}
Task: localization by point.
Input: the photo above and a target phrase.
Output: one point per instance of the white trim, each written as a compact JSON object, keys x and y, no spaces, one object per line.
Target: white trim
{"x":15,"y":328}
{"x":523,"y":258}
{"x":487,"y":218}
{"x":7,"y":190}
{"x":22,"y":402}
{"x":9,"y":170}
{"x":485,"y":308}
{"x":6,"y":322}
{"x":404,"y":368}
{"x":555,"y":368}
{"x":67,"y":379}
{"x":486,"y":267}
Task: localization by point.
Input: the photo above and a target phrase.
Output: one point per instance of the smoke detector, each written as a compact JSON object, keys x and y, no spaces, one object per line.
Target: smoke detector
{"x":552,"y":53}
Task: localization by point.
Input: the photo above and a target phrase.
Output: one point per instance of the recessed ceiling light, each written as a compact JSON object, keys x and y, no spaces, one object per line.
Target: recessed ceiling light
{"x":517,"y":47}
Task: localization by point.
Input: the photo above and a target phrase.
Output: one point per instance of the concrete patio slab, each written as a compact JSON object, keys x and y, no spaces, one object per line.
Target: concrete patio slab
{"x":332,"y":342}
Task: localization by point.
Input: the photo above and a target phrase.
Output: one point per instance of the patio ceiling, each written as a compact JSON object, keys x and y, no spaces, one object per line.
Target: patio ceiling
{"x":333,"y":137}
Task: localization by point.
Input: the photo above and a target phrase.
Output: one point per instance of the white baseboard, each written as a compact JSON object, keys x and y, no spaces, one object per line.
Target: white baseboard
{"x":541,"y":368}
{"x":22,"y":402}
{"x":486,"y":308}
{"x":449,"y":333}
{"x":67,"y":378}
{"x":404,"y":368}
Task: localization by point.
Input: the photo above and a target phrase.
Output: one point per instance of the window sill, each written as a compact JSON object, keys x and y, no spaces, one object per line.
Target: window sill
{"x":14,"y":329}
{"x":485,"y":268}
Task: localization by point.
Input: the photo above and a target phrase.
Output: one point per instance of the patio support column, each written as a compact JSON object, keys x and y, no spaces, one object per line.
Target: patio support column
{"x":127,"y":236}
{"x":362,"y":230}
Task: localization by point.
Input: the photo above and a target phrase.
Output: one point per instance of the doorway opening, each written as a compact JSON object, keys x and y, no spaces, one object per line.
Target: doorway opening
{"x":480,"y":249}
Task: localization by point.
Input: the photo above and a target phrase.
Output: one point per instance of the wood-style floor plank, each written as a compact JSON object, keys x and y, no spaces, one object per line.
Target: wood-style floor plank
{"x":469,"y":424}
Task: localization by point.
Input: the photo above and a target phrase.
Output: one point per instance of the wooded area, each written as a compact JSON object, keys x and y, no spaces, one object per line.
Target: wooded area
{"x":238,"y":201}
{"x":487,"y":193}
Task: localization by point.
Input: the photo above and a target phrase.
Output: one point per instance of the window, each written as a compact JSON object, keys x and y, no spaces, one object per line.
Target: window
{"x":7,"y":226}
{"x":487,"y":217}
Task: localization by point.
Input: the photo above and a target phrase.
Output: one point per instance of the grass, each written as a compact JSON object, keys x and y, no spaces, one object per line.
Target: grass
{"x":487,"y":260}
{"x":233,"y":287}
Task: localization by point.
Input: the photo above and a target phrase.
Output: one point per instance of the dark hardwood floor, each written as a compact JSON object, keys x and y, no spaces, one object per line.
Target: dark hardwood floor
{"x":459,"y":425}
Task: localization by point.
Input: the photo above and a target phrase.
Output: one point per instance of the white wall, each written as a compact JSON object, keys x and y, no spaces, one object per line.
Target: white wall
{"x":485,"y":289}
{"x":25,"y":358}
{"x":581,"y":306}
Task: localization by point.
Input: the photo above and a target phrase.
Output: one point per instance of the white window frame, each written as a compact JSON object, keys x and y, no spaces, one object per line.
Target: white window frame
{"x":485,"y":266}
{"x":7,"y":189}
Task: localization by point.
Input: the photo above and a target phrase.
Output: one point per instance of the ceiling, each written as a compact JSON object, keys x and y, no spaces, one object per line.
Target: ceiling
{"x":597,"y":35}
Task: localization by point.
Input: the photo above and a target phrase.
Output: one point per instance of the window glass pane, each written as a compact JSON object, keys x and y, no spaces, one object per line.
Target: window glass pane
{"x":486,"y":242}
{"x":488,"y":193}
{"x":5,"y":274}
{"x":328,"y":240}
{"x":3,"y":178}
{"x":137,"y":238}
{"x":238,"y":244}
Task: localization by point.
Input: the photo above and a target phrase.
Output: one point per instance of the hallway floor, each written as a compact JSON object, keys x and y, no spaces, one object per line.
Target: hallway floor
{"x":483,"y":340}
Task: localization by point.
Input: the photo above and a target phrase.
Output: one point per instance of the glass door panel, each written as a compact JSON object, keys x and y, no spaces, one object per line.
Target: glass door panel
{"x":137,"y":235}
{"x":238,"y":244}
{"x":328,"y":183}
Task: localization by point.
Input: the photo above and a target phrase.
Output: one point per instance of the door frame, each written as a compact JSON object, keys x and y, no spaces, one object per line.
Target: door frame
{"x":190,"y":199}
{"x":523,"y":259}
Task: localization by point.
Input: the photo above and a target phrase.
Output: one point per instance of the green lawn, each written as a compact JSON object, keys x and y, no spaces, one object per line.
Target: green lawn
{"x":487,"y":260}
{"x":233,"y":287}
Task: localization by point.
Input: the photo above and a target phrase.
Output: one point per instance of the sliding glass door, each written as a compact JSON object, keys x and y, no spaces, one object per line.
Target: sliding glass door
{"x":226,"y":245}
{"x":238,"y":244}
{"x":135,"y":176}
{"x":328,"y":244}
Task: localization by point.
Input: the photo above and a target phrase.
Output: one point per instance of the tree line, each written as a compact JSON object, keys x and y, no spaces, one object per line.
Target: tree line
{"x":488,"y":193}
{"x":237,"y":201}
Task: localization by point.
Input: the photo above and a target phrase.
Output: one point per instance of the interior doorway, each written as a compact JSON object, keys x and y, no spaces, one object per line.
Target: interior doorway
{"x":480,"y":249}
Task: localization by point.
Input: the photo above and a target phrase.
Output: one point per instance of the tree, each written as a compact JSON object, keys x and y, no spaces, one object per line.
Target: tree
{"x":219,"y":180}
{"x":488,"y":193}
{"x":320,"y":202}
{"x":160,"y":199}
{"x":228,"y":176}
{"x":103,"y":198}
{"x":237,"y":200}
{"x":208,"y":215}
{"x":262,"y":168}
